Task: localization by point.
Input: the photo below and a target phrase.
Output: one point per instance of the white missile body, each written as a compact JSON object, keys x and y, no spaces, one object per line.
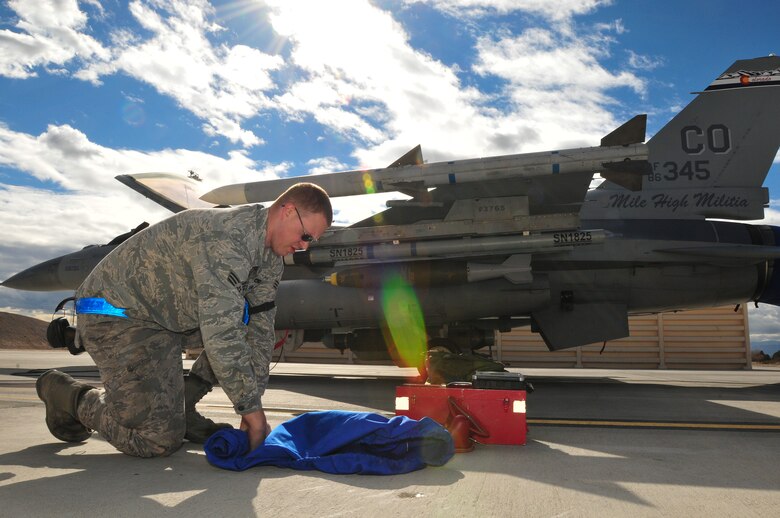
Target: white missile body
{"x":417,"y":179}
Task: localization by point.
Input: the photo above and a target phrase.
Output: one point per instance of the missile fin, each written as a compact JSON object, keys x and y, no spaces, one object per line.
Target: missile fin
{"x":416,"y":190}
{"x":627,"y":173}
{"x":520,"y":277}
{"x":632,"y":132}
{"x":412,"y":157}
{"x":518,"y":269}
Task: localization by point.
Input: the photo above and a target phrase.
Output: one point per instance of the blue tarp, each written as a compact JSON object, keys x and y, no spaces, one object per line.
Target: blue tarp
{"x":338,"y":442}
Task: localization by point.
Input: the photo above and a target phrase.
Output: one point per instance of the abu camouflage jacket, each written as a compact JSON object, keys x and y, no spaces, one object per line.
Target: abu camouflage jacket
{"x":199,"y":270}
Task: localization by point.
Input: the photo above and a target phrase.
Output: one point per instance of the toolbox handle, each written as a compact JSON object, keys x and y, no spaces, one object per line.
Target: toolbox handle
{"x":475,"y":427}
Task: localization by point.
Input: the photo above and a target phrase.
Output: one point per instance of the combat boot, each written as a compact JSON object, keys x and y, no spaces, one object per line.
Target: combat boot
{"x":60,"y":393}
{"x":199,"y":428}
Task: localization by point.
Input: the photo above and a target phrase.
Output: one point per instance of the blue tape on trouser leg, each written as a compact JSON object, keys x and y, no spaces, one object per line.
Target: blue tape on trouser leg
{"x":98,"y":306}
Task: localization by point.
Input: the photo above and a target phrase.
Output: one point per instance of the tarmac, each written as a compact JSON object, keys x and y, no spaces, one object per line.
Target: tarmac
{"x":600,"y":443}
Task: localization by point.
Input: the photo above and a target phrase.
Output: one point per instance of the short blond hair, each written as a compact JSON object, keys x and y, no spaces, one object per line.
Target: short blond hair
{"x":309,"y":197}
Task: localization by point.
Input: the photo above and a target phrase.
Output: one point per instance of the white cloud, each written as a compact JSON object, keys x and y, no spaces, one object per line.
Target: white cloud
{"x":540,"y":59}
{"x":39,"y":224}
{"x":48,"y":33}
{"x":362,"y":80}
{"x":354,"y":72}
{"x":381,"y":93}
{"x":70,"y":217}
{"x":765,"y":320}
{"x":326,"y":165}
{"x":764,"y":325}
{"x":558,"y":10}
{"x":67,"y":158}
{"x":38,"y":305}
{"x":556,"y":84}
{"x":349,"y":65}
{"x":220,"y":84}
{"x":387,"y":96}
{"x":644,"y":63}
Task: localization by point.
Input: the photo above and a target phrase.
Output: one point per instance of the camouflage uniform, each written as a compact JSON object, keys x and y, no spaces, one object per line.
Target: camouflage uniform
{"x":188,"y":278}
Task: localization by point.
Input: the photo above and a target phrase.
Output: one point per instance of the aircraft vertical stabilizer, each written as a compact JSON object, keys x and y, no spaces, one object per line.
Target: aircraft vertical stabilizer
{"x":711,"y":159}
{"x":729,"y":134}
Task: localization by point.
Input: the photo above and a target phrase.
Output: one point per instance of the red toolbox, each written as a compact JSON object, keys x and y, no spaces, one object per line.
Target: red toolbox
{"x":500,"y":413}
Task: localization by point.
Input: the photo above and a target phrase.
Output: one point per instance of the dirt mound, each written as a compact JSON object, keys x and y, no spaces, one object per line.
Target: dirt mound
{"x":20,"y":332}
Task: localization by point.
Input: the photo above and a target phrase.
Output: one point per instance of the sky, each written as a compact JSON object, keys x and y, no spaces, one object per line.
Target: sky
{"x":245,"y":90}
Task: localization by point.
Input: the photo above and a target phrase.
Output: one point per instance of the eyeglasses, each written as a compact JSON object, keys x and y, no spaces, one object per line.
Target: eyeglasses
{"x":305,"y":237}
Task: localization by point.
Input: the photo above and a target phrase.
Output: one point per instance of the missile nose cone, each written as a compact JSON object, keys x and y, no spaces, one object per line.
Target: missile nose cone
{"x":226,"y":195}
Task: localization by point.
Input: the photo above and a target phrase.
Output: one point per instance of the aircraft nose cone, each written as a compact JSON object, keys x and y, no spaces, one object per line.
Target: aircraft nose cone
{"x":41,"y":277}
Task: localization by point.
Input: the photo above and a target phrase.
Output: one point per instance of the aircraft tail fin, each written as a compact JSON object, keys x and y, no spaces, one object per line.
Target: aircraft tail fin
{"x":711,"y":159}
{"x":728,"y":136}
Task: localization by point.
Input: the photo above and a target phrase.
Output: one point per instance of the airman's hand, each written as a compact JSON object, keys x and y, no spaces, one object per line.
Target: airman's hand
{"x":256,"y":426}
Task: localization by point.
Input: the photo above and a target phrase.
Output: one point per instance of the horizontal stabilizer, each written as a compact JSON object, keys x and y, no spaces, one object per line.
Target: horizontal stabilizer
{"x":632,"y":132}
{"x":174,"y":192}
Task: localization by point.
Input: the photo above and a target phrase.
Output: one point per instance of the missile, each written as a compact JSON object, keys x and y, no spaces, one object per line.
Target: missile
{"x":415,"y":180}
{"x":516,"y":269}
{"x":621,"y":155}
{"x":446,"y":248}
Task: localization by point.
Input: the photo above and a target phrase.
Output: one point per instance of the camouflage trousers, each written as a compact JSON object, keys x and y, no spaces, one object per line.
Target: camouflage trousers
{"x":140,"y":411}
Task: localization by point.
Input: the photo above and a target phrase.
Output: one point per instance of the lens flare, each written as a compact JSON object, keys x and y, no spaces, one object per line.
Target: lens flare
{"x":368,"y":184}
{"x":133,"y":114}
{"x":404,"y":327}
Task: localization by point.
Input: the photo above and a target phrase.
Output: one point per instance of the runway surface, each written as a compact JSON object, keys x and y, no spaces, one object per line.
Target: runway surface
{"x":601,"y":442}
